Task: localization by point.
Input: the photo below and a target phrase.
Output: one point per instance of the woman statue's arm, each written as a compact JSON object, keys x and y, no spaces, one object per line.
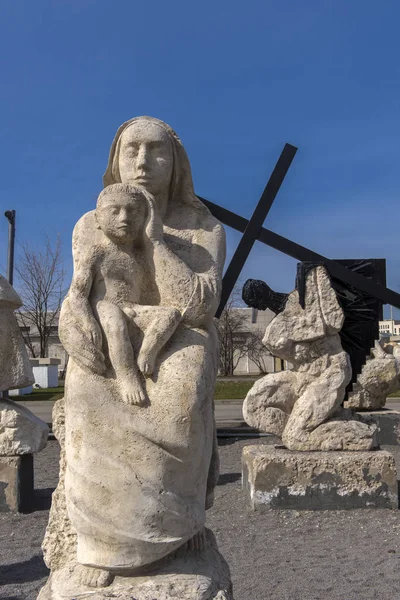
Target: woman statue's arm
{"x":78,"y":330}
{"x":196,"y":295}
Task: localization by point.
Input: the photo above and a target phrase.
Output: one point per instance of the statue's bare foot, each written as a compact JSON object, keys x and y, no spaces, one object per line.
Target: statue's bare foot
{"x":92,"y":577}
{"x":146,"y":361}
{"x":132,"y":390}
{"x":198,"y":541}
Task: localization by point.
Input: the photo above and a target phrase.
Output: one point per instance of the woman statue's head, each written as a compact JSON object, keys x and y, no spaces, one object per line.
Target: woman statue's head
{"x":145,"y":156}
{"x":147,"y":152}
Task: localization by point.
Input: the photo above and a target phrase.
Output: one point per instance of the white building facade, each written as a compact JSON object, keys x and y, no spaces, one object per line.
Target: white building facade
{"x":389,"y":327}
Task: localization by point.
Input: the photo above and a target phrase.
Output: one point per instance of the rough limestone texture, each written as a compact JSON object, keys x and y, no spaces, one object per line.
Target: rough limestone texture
{"x":60,"y":541}
{"x":387,"y":422}
{"x":188,"y":574}
{"x":139,"y":459}
{"x":16,"y":483}
{"x":15,"y":369}
{"x":9,"y":483}
{"x":21,"y":432}
{"x":275,"y":478}
{"x":303,"y":405}
{"x":379,"y":377}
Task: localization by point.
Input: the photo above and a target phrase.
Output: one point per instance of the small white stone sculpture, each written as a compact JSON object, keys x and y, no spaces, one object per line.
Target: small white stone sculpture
{"x":379,"y":377}
{"x":303,"y":405}
{"x":20,"y":431}
{"x":15,"y":368}
{"x":139,"y":462}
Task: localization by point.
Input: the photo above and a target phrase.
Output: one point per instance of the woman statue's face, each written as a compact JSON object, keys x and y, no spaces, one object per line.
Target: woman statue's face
{"x":146,"y":157}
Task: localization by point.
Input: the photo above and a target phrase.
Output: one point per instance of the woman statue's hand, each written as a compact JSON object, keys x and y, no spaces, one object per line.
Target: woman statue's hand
{"x":154,"y":226}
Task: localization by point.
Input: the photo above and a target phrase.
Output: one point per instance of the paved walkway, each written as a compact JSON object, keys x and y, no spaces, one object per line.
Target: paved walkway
{"x":228,"y":413}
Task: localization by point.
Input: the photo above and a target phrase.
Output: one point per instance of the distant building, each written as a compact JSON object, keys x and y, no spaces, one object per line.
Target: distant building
{"x":389,"y":327}
{"x":55,"y":348}
{"x":256,"y":321}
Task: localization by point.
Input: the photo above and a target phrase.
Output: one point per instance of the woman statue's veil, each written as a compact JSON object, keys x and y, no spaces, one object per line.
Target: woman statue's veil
{"x":181,"y":188}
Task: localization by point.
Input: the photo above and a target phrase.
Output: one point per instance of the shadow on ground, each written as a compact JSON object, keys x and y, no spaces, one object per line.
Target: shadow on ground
{"x":229,"y":478}
{"x":43,"y":498}
{"x":22,"y":572}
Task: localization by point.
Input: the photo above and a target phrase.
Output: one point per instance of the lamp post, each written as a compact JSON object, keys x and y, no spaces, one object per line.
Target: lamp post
{"x":10,"y":216}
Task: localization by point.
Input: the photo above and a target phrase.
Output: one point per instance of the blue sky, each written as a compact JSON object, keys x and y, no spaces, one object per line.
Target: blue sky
{"x":236,"y":80}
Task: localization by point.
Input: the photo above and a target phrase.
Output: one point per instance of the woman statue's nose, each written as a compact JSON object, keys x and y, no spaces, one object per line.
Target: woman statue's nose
{"x":142,"y":156}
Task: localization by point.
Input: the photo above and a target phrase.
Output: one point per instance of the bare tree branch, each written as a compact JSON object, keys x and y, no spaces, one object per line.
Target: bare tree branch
{"x":257,"y":352}
{"x":41,"y":277}
{"x":231,"y":328}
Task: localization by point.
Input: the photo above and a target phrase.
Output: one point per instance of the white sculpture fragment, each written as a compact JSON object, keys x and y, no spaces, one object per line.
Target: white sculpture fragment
{"x":379,"y":377}
{"x":303,"y":405}
{"x":15,"y":369}
{"x":140,"y":460}
{"x":20,"y":431}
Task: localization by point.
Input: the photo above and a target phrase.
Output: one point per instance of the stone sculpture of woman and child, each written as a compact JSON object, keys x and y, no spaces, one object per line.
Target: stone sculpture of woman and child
{"x":139,"y":455}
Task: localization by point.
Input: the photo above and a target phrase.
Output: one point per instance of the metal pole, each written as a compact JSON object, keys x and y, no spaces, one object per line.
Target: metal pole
{"x":10,"y":216}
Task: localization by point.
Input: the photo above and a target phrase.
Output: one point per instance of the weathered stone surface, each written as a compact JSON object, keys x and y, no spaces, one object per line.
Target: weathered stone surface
{"x":140,"y":461}
{"x":60,"y":541}
{"x":303,"y":405}
{"x":387,"y":422}
{"x":21,"y":432}
{"x":274,"y":477}
{"x":16,"y":483}
{"x":379,"y":377}
{"x":15,"y":370}
{"x":187,"y":574}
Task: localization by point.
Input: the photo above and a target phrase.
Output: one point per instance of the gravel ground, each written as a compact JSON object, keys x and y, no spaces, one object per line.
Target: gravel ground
{"x":278,"y":555}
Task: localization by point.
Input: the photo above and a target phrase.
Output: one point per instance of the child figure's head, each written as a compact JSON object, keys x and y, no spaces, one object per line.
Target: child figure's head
{"x":121,"y":212}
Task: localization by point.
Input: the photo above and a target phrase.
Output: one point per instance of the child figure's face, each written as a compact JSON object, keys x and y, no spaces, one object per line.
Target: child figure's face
{"x":121,"y":216}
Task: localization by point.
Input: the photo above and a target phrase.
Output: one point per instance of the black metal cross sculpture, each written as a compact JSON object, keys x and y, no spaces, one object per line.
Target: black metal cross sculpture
{"x":253,"y":230}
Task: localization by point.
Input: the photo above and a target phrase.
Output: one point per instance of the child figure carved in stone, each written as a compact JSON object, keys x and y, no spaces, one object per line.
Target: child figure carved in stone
{"x":108,"y":284}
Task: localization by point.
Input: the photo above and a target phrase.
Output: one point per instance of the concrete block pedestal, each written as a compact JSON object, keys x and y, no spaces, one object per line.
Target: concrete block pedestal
{"x":276,"y":478}
{"x":16,"y":483}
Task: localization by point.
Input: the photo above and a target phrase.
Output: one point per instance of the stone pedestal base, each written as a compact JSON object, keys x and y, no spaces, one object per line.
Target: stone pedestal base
{"x":274,"y":477}
{"x":16,"y":483}
{"x":187,"y":575}
{"x":388,"y":422}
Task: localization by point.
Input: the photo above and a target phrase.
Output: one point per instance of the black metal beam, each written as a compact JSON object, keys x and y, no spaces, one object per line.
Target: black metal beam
{"x":386,"y":295}
{"x":253,"y":227}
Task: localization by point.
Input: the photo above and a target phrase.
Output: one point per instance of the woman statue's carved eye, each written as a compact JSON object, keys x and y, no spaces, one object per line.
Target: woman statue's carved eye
{"x":132,"y":151}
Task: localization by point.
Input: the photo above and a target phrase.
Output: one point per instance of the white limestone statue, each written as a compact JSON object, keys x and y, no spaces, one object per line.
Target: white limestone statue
{"x":15,"y":368}
{"x":379,"y":377}
{"x":20,"y":431}
{"x":140,"y":462}
{"x":303,"y":405}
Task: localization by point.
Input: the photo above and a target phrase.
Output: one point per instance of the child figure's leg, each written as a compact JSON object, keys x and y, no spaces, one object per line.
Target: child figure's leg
{"x":114,"y":325}
{"x":158,"y":323}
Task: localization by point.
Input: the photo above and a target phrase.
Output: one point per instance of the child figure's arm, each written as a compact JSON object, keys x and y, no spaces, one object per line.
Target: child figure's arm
{"x":79,"y":291}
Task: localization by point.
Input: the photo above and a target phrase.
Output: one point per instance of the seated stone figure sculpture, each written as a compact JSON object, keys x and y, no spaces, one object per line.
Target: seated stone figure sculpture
{"x":128,"y":516}
{"x":107,"y":285}
{"x":303,"y":405}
